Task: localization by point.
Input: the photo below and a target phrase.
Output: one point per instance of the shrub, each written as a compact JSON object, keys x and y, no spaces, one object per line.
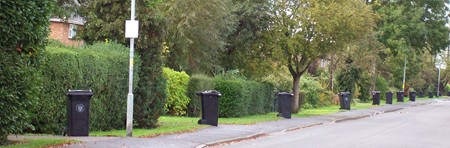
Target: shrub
{"x":382,"y":85}
{"x":314,"y":93}
{"x":281,"y":80}
{"x":233,"y":102}
{"x":351,"y":78}
{"x":176,"y":88}
{"x":197,"y":83}
{"x":24,"y":30}
{"x":100,"y":67}
{"x":19,"y":90}
{"x":240,"y":97}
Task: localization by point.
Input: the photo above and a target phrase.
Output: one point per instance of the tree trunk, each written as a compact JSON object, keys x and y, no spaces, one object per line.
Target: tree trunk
{"x":296,"y":91}
{"x":373,"y":82}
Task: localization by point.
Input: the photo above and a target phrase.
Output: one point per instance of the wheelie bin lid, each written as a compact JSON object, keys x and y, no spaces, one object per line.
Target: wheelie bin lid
{"x":79,"y":92}
{"x":209,"y":92}
{"x":285,"y":93}
{"x":345,"y":93}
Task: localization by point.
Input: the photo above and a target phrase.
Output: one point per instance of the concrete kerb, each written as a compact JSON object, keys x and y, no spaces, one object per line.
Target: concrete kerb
{"x":228,"y":141}
{"x":350,"y":118}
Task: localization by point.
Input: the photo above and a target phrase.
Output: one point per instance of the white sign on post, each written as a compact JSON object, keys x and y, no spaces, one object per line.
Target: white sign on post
{"x":131,"y":28}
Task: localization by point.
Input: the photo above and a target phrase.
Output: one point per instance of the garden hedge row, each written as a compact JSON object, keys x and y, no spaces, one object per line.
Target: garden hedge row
{"x":239,"y":97}
{"x":100,"y":67}
{"x":24,"y":31}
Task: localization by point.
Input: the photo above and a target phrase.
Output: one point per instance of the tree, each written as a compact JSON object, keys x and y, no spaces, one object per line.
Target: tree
{"x":246,"y":50}
{"x":197,"y":33}
{"x":64,"y":8}
{"x":413,"y":27}
{"x":359,"y":67}
{"x":24,"y":30}
{"x":306,"y":30}
{"x":417,"y":25}
{"x":106,"y":21}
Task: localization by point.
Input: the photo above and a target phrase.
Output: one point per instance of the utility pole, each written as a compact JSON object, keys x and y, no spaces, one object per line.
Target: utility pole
{"x":404,"y":75}
{"x":439,"y":79}
{"x":131,"y":31}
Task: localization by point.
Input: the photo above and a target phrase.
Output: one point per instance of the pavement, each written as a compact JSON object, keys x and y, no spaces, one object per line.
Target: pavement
{"x":223,"y":134}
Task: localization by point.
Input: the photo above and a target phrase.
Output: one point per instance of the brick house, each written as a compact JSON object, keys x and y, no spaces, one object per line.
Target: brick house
{"x":65,"y":30}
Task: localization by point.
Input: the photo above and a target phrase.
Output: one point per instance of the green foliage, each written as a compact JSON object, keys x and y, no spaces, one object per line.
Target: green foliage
{"x":232,"y":103}
{"x":326,"y":26}
{"x":316,"y":94}
{"x":197,"y":33}
{"x":352,"y":77}
{"x":247,"y":50}
{"x":176,"y":89}
{"x":383,"y":86}
{"x":419,"y":25}
{"x":24,"y":24}
{"x":281,"y":80}
{"x":242,"y":97}
{"x":24,"y":30}
{"x":65,"y":8}
{"x":197,"y":83}
{"x":100,"y":67}
{"x":19,"y":81}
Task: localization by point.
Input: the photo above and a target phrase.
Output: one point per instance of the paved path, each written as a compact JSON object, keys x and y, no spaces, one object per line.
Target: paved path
{"x":416,"y":127}
{"x":213,"y":136}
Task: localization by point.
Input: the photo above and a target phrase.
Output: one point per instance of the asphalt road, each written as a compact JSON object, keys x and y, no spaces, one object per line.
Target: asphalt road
{"x":425,"y":126}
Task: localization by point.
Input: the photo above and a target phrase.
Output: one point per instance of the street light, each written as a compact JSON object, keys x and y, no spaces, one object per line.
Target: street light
{"x":131,"y":32}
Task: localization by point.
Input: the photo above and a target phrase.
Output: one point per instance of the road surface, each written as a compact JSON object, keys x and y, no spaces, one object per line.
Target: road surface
{"x":426,"y":126}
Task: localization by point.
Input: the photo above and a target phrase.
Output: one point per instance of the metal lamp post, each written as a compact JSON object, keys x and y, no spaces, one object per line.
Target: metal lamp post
{"x":131,"y":32}
{"x":404,"y":75}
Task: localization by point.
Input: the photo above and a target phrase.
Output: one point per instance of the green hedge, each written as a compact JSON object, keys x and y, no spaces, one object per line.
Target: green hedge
{"x":197,"y":83}
{"x":234,"y":100}
{"x":24,"y":31}
{"x":176,"y":88}
{"x":239,"y":97}
{"x":100,"y":67}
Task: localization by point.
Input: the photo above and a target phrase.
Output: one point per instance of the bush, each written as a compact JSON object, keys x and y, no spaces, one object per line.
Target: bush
{"x":100,"y":67}
{"x":354,"y":80}
{"x":233,"y":102}
{"x":240,"y":97}
{"x":382,"y":86}
{"x":282,"y":80}
{"x":315,"y":94}
{"x":19,"y":90}
{"x":176,"y":88}
{"x":24,"y":30}
{"x":197,"y":83}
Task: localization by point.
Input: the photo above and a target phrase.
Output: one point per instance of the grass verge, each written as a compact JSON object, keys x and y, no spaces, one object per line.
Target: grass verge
{"x":317,"y":111}
{"x":247,"y":120}
{"x":34,"y":143}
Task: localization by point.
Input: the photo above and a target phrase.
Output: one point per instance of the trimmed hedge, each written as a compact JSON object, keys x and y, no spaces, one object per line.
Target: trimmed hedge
{"x":24,"y":31}
{"x":100,"y":67}
{"x":176,"y":88}
{"x":239,"y":97}
{"x":197,"y":83}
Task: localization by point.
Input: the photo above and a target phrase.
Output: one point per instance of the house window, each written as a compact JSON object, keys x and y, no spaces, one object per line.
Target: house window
{"x":72,"y":31}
